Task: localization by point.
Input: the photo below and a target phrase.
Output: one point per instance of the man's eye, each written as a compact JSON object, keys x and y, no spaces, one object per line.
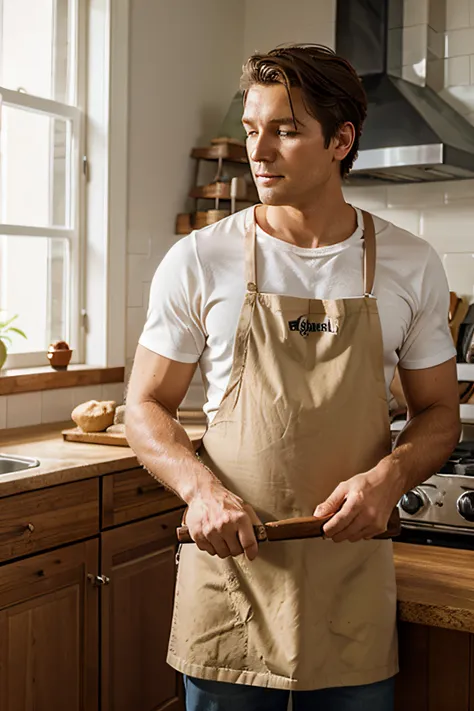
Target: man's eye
{"x":251,"y":133}
{"x":287,"y":134}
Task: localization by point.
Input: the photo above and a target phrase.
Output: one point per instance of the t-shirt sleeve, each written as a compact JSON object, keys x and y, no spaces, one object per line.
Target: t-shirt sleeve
{"x":173,"y":326}
{"x":429,"y":342}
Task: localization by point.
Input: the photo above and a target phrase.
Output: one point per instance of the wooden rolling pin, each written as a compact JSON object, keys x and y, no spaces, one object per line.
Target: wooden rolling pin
{"x":293,"y":528}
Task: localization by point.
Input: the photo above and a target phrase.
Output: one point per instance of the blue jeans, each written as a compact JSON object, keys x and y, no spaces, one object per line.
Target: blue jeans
{"x":202,"y":695}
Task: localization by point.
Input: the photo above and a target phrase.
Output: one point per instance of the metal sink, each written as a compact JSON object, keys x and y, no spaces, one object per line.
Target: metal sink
{"x":9,"y":463}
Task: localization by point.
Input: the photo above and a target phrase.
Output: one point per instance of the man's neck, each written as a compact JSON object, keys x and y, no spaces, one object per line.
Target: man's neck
{"x":321,"y":224}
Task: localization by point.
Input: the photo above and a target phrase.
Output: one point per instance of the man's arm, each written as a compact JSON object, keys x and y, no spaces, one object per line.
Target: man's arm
{"x":426,"y":442}
{"x":218,"y":520}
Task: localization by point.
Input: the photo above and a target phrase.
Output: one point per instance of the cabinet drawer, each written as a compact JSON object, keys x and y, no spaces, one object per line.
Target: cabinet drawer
{"x":133,"y":494}
{"x":47,"y":518}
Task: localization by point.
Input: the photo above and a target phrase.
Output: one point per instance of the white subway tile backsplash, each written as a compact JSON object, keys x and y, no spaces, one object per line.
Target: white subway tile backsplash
{"x":415,"y":41}
{"x":457,"y":71}
{"x":461,"y":98}
{"x":23,"y":409}
{"x":85,"y":393}
{"x":436,"y":43}
{"x":415,"y":12}
{"x":460,"y":272}
{"x":136,"y":265}
{"x":415,"y":196}
{"x":449,"y":230}
{"x":368,"y":199}
{"x":113,"y":391}
{"x":146,"y":293}
{"x":56,"y":405}
{"x":459,"y":42}
{"x":459,"y":190}
{"x":406,"y":219}
{"x":135,"y":322}
{"x":3,"y":412}
{"x":457,"y":14}
{"x":139,"y":242}
{"x":415,"y":74}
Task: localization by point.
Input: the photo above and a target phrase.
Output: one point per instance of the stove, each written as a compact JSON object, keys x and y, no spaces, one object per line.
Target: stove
{"x":440,"y":511}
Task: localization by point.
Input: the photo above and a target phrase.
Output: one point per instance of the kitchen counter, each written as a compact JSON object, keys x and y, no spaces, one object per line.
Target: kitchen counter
{"x":435,"y":585}
{"x":60,"y":461}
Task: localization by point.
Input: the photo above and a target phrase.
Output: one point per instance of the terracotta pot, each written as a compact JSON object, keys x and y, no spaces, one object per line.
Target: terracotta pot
{"x":59,"y":360}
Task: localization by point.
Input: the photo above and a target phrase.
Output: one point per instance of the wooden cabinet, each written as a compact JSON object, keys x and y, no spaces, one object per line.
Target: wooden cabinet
{"x":136,"y":609}
{"x":132,"y":495}
{"x":436,"y":669}
{"x":49,"y":651}
{"x":84,"y":627}
{"x":43,"y":519}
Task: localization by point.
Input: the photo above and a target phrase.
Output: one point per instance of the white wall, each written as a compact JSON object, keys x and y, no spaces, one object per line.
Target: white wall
{"x":269,"y":23}
{"x":442,"y":213}
{"x":185,"y":60}
{"x":185,"y":64}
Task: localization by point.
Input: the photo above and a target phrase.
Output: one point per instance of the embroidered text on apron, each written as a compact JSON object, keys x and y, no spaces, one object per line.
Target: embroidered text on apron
{"x":305,"y":409}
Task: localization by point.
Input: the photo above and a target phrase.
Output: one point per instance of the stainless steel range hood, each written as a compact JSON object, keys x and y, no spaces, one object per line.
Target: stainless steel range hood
{"x":411,"y":134}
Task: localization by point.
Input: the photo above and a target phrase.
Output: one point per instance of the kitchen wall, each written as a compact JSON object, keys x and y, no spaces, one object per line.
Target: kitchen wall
{"x":185,"y":60}
{"x":438,"y":49}
{"x":52,"y":405}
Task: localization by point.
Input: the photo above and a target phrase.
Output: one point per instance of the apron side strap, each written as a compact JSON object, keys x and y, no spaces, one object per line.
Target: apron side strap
{"x":369,"y":253}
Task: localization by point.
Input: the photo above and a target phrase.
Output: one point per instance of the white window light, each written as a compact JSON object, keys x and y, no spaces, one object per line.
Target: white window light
{"x":42,"y":80}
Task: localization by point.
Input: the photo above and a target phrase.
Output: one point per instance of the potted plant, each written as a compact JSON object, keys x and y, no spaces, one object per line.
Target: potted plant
{"x":5,"y":329}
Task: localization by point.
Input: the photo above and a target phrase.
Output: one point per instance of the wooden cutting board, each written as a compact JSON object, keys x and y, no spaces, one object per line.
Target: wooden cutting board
{"x":77,"y":435}
{"x":195,"y":434}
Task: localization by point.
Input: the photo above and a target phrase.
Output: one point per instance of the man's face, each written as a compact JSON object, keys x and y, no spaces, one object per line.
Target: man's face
{"x":289,"y":166}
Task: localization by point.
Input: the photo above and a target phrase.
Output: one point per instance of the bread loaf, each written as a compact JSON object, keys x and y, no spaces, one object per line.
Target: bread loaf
{"x":119,"y":417}
{"x":94,"y":416}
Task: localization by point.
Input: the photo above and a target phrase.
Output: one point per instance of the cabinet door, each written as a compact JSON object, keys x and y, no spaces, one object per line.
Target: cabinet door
{"x":139,"y":560}
{"x":434,"y":669}
{"x":49,"y":631}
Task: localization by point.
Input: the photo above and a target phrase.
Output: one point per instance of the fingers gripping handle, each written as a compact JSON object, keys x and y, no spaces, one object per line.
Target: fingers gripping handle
{"x":295,"y":528}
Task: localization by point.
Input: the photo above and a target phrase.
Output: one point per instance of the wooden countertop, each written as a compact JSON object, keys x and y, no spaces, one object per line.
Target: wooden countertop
{"x":435,"y":585}
{"x":61,"y":461}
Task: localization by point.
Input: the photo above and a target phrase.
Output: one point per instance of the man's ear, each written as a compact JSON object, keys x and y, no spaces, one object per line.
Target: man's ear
{"x":343,"y":140}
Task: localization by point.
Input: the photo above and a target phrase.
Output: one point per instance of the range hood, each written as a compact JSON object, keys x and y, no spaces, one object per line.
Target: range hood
{"x":410,"y":134}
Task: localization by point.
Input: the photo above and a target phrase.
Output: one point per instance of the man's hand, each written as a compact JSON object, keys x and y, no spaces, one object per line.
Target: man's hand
{"x":361,"y":505}
{"x":222,"y":524}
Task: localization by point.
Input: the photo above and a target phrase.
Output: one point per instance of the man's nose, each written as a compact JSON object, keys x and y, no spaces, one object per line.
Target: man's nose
{"x":262,"y":149}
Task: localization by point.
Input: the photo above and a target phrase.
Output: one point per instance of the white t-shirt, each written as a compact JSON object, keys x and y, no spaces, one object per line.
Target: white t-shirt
{"x":198,"y":289}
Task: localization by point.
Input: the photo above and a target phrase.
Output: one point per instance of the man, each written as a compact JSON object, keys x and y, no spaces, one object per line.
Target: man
{"x":298,"y":312}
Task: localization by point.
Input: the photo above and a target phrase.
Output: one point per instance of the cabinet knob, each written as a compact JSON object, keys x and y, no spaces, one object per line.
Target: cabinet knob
{"x":98,"y":580}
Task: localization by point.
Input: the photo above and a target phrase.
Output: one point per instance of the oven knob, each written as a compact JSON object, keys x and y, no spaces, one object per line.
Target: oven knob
{"x":411,"y":502}
{"x":466,"y":505}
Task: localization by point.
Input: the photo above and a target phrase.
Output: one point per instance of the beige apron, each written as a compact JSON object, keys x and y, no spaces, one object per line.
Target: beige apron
{"x":305,"y":409}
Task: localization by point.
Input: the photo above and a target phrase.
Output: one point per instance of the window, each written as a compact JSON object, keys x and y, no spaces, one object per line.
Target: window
{"x":42,"y":97}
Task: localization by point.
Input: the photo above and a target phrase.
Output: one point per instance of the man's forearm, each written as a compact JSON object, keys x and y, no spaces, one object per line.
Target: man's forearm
{"x":423,"y":446}
{"x":164,"y":448}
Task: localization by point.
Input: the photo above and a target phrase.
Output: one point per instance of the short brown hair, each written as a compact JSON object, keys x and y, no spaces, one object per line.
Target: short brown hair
{"x":332,"y":91}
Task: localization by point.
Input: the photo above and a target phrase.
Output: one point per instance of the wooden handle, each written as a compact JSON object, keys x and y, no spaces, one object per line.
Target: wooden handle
{"x":295,"y":528}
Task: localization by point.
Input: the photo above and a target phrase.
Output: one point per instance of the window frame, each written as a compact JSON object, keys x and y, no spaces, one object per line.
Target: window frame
{"x":75,"y":234}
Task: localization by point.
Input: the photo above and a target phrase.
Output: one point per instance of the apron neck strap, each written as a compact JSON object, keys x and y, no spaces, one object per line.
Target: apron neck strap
{"x":369,"y":253}
{"x":250,"y":253}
